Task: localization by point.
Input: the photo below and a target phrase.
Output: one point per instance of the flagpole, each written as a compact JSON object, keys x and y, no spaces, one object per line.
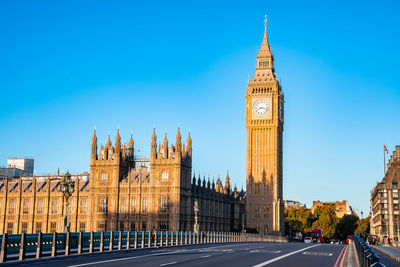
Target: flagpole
{"x":384,"y":161}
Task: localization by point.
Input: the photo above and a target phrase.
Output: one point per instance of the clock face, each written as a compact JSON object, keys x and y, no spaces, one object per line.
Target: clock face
{"x":261,"y":108}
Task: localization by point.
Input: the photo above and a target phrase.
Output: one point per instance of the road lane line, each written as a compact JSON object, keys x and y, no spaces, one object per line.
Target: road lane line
{"x":169,"y":263}
{"x":206,"y":256}
{"x":337,"y":260}
{"x":343,"y":256}
{"x":281,"y":257}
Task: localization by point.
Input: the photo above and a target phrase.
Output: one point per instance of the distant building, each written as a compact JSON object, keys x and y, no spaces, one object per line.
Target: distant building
{"x":342,"y":207}
{"x":24,"y":164}
{"x":292,"y":204}
{"x":385,"y":217}
{"x":10,"y":173}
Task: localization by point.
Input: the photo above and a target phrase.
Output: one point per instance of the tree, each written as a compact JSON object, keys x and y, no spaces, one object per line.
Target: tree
{"x":347,"y":225}
{"x":363,"y":228}
{"x":298,"y":220}
{"x":326,"y":220}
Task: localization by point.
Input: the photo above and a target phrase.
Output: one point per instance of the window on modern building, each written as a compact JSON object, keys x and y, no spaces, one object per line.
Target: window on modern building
{"x":53,"y":227}
{"x":396,"y":206}
{"x":385,"y":206}
{"x":104,"y":177}
{"x":394,"y":185}
{"x":384,"y":194}
{"x":103,"y":204}
{"x":164,"y":176}
{"x":24,"y":227}
{"x":395,"y":194}
{"x":10,"y":228}
{"x":144,"y":208}
{"x":133,"y":226}
{"x":122,"y":205}
{"x":40,"y":206}
{"x":25,"y":207}
{"x":133,"y":205}
{"x":83,"y":206}
{"x":54,"y":204}
{"x":11,"y":207}
{"x":38,"y":227}
{"x":164,"y":225}
{"x":164,"y":204}
{"x":82,"y":226}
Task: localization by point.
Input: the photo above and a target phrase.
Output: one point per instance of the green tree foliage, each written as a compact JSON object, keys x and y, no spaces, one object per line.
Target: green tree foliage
{"x":363,"y":228}
{"x":298,"y":220}
{"x":326,"y":220}
{"x":347,"y":225}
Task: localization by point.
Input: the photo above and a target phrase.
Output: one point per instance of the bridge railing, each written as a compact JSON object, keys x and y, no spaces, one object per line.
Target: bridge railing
{"x":25,"y":246}
{"x":366,"y":255}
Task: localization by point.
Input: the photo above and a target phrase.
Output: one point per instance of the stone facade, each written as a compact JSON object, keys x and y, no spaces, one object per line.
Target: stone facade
{"x":123,"y":193}
{"x":342,"y":207}
{"x":385,"y":211}
{"x":264,"y":124}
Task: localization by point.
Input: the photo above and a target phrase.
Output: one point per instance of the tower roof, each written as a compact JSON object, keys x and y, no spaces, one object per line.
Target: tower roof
{"x":265,"y":50}
{"x":131,"y":141}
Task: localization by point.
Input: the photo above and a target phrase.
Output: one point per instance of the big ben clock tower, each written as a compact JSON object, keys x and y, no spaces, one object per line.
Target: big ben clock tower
{"x":264,"y":124}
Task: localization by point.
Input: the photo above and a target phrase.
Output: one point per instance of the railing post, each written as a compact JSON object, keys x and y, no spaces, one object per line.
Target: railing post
{"x":161,"y":239}
{"x":198,"y":238}
{"x":128,"y":240}
{"x":155,"y":238}
{"x":54,"y":245}
{"x":167,"y":238}
{"x":110,"y":248}
{"x":176,"y":238}
{"x":80,"y":239}
{"x":181,"y":238}
{"x":143,"y":237}
{"x":3,"y":253}
{"x":67,"y":239}
{"x":135,"y":245}
{"x":91,"y":242}
{"x":149,"y":241}
{"x":101,"y":242}
{"x":186,"y":238}
{"x":22,"y":247}
{"x":208,"y":237}
{"x":120,"y":240}
{"x":39,"y":246}
{"x":190,"y":237}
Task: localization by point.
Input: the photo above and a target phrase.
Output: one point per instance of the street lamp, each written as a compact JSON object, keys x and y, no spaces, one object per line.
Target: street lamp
{"x":243,"y":223}
{"x":67,"y":188}
{"x":196,"y":210}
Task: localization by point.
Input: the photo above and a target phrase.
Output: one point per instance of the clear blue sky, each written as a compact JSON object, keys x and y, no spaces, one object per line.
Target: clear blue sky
{"x":67,"y":66}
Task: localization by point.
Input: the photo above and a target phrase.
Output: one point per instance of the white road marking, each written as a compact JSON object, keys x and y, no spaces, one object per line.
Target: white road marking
{"x":145,"y":256}
{"x":317,"y":253}
{"x":169,"y":263}
{"x":283,"y":256}
{"x":206,"y":256}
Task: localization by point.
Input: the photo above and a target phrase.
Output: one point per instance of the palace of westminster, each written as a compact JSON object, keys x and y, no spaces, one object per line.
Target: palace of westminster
{"x":124,"y":192}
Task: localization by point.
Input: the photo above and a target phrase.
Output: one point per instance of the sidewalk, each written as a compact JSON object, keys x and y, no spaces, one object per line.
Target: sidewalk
{"x":351,"y":256}
{"x":393,"y":252}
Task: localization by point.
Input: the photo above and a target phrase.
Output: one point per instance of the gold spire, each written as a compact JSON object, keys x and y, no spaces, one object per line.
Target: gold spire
{"x":131,"y":141}
{"x":118,"y":139}
{"x":94,"y":138}
{"x":108,"y":144}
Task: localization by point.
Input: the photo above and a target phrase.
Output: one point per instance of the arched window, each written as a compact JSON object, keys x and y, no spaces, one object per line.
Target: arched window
{"x":164,"y":176}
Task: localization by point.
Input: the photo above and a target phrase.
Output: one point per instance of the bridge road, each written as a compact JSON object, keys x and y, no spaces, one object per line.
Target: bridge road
{"x":231,"y":254}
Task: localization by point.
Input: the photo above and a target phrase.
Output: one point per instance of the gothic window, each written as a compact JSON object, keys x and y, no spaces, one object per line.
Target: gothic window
{"x":38,"y":227}
{"x":164,"y":204}
{"x":133,"y":226}
{"x":53,"y":227}
{"x":144,"y":208}
{"x":102,"y":226}
{"x":122,"y":204}
{"x":54,"y":207}
{"x":10,"y":227}
{"x":83,"y":206}
{"x":395,"y":193}
{"x":133,"y":205}
{"x":164,"y":225}
{"x":24,"y":227}
{"x":164,"y":176}
{"x":103,"y":204}
{"x":11,"y":207}
{"x":82,"y":226}
{"x":394,"y":185}
{"x":121,"y":226}
{"x":25,"y":207}
{"x":104,"y":177}
{"x":40,"y":206}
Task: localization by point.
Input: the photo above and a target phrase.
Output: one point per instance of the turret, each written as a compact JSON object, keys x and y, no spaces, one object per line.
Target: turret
{"x":189,"y":145}
{"x":194,"y":179}
{"x":117,"y":144}
{"x":94,"y":146}
{"x":130,"y":147}
{"x":235,"y":191}
{"x":199,"y":181}
{"x":165,"y":146}
{"x":153,"y":144}
{"x":178,"y":145}
{"x":227,"y":184}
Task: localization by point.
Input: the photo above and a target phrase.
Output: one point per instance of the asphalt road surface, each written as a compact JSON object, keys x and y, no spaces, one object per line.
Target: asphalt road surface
{"x":231,"y":254}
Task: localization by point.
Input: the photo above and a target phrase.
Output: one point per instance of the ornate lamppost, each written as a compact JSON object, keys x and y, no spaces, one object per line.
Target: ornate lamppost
{"x":67,"y":188}
{"x":196,"y":210}
{"x":243,"y":230}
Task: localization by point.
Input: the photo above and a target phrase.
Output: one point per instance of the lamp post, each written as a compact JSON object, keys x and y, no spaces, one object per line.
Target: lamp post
{"x":243,"y":223}
{"x":67,"y":188}
{"x":196,"y":210}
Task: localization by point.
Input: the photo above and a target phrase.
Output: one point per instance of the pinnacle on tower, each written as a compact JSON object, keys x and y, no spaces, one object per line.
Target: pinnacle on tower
{"x":131,"y":141}
{"x":265,"y":50}
{"x":94,"y":138}
{"x":108,"y":144}
{"x":118,"y":139}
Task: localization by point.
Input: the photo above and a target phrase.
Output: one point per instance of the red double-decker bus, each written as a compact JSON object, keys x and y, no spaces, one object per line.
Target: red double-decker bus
{"x":316,"y":235}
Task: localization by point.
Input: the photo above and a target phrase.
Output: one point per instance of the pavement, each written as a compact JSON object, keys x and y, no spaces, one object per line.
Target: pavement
{"x":391,"y":254}
{"x":255,"y":254}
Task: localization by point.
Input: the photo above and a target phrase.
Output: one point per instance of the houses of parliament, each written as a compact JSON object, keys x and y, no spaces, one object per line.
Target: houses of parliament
{"x":126,"y":192}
